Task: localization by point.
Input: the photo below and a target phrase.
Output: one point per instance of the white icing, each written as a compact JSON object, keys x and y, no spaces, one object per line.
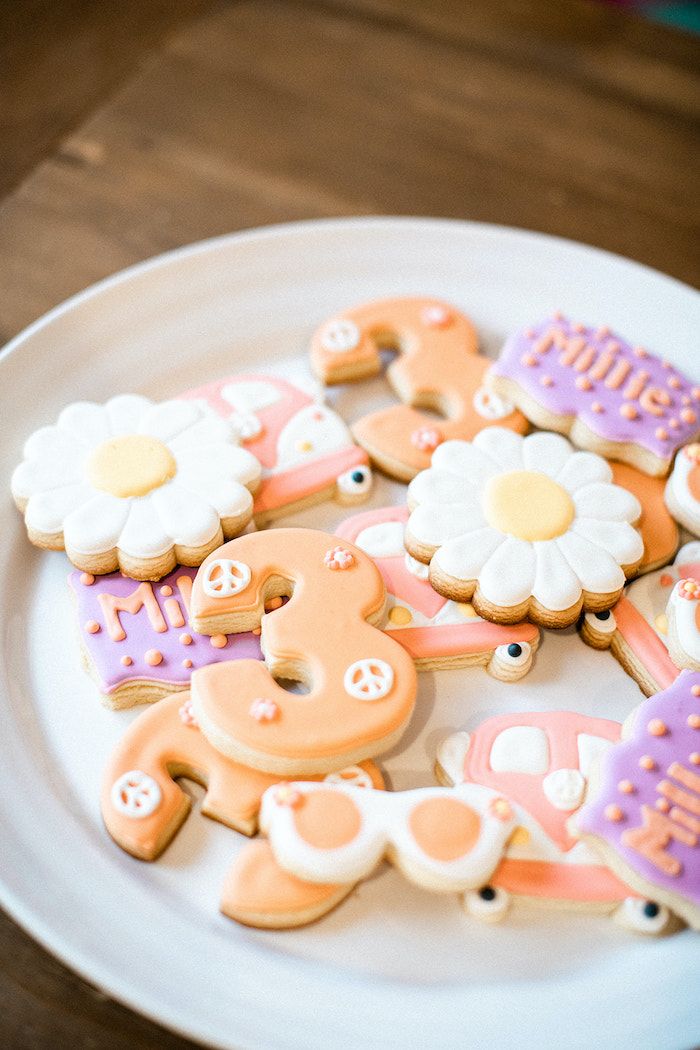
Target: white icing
{"x":144,"y":531}
{"x":596,"y":569}
{"x":584,"y":468}
{"x":547,"y":453}
{"x":312,"y":432}
{"x":523,"y":657}
{"x":466,"y":460}
{"x":435,"y":527}
{"x":689,"y":555}
{"x":250,"y":395}
{"x":47,"y":511}
{"x":520,"y":749}
{"x":491,"y":405}
{"x":190,"y":520}
{"x":438,"y":485}
{"x":606,"y":503}
{"x":564,"y":788}
{"x":340,"y":336}
{"x":619,"y":539}
{"x":487,"y":910}
{"x":348,"y":484}
{"x":556,"y":585}
{"x":95,"y":526}
{"x":679,"y":499}
{"x":631,"y":915}
{"x":416,"y":568}
{"x":167,"y":420}
{"x":682,"y":613}
{"x":464,"y":557}
{"x":246,"y":424}
{"x":136,"y":794}
{"x":382,"y":540}
{"x":590,"y":749}
{"x":125,"y":413}
{"x":508,"y":575}
{"x":502,"y":446}
{"x":352,"y":776}
{"x":224,"y":577}
{"x":368,"y":679}
{"x":86,"y":421}
{"x":606,"y":626}
{"x":452,"y":753}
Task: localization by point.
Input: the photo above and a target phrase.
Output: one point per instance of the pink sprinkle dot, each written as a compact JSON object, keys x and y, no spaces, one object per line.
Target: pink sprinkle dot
{"x":694,"y":721}
{"x":647,"y":762}
{"x":626,"y":787}
{"x":663,"y":805}
{"x":287,"y":795}
{"x":597,"y":408}
{"x":153,"y":657}
{"x":339,"y":558}
{"x":584,"y":383}
{"x":92,"y":627}
{"x":666,"y":364}
{"x":613,"y":346}
{"x":656,"y":727}
{"x":674,"y":382}
{"x":603,"y":332}
{"x":218,"y":641}
{"x":695,"y":758}
{"x":660,"y":434}
{"x":166,"y":591}
{"x":578,"y":327}
{"x":427,"y":439}
{"x":187,"y":714}
{"x":628,"y":411}
{"x":614,"y":813}
{"x":673,"y":423}
{"x":639,"y":351}
{"x":547,"y":381}
{"x":126,"y":661}
{"x":688,"y":416}
{"x":695,"y":690}
{"x":87,"y":579}
{"x":185,"y":639}
{"x":187,"y":663}
{"x":437,"y":316}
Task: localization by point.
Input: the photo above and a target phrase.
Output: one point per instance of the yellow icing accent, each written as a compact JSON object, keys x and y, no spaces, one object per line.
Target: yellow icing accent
{"x":520,"y":837}
{"x":131,"y":466}
{"x":661,"y":622}
{"x":304,"y":446}
{"x":467,"y":610}
{"x":399,"y":615}
{"x":528,"y":505}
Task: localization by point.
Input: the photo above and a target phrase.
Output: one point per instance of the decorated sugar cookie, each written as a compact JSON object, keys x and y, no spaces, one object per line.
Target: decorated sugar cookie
{"x":611,"y":397}
{"x":362,"y":683}
{"x":523,"y":527}
{"x":643,"y":810}
{"x":447,"y":840}
{"x":143,"y":806}
{"x":436,"y":632}
{"x":136,"y":639}
{"x":659,"y":530}
{"x":683,"y":615}
{"x":135,"y":486}
{"x":541,"y":763}
{"x":636,"y":630}
{"x":683,"y":488}
{"x":306,"y":451}
{"x":437,"y":367}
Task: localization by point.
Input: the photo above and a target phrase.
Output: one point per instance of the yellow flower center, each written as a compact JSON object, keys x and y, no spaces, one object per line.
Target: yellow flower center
{"x":131,"y":466}
{"x":528,"y":505}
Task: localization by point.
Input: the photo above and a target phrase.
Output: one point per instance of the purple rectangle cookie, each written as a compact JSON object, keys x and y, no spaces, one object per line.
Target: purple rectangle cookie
{"x":610,"y":397}
{"x":136,"y":639}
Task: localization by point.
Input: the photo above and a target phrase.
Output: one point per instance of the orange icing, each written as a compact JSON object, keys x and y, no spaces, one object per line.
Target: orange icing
{"x":327,"y":820}
{"x":256,"y":884}
{"x":651,"y":839}
{"x":139,"y":598}
{"x":654,"y":399}
{"x":444,"y":828}
{"x":173,"y":610}
{"x":659,"y":530}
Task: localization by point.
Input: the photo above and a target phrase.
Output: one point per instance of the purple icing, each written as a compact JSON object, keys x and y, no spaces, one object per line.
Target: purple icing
{"x":106,"y":654}
{"x":673,"y":707}
{"x":563,"y":397}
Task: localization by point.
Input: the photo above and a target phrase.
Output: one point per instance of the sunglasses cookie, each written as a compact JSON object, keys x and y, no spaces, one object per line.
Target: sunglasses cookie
{"x":610,"y":397}
{"x":306,"y":451}
{"x":683,"y":615}
{"x":362,"y":684}
{"x":523,"y":527}
{"x":643,"y":809}
{"x":143,"y":805}
{"x":437,"y":367}
{"x":436,"y":632}
{"x":683,"y":488}
{"x":541,"y":762}
{"x":135,"y":486}
{"x":636,"y":630}
{"x":447,"y":840}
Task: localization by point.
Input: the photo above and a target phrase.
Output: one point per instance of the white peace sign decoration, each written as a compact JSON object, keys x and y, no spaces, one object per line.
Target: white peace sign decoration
{"x":368,"y":679}
{"x":136,"y":794}
{"x":224,"y":577}
{"x":339,"y":336}
{"x":353,"y":776}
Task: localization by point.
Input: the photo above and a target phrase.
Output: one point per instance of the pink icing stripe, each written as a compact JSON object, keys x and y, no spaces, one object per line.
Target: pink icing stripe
{"x":423,"y":643}
{"x":645,"y":643}
{"x":568,"y":882}
{"x":298,"y":482}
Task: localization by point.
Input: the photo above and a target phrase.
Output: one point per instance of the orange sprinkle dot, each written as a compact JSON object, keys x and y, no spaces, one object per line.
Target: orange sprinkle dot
{"x":663,"y":805}
{"x":584,"y":383}
{"x":695,"y":758}
{"x":187,"y":663}
{"x":87,"y":579}
{"x":626,"y":787}
{"x":256,"y":630}
{"x":547,"y":381}
{"x":614,"y":813}
{"x":674,"y":382}
{"x":657,"y":728}
{"x":647,"y":762}
{"x":666,"y":364}
{"x":578,"y":327}
{"x":695,"y":393}
{"x":529,"y":333}
{"x":673,"y":423}
{"x":639,"y":351}
{"x":628,"y":411}
{"x":218,"y":641}
{"x":688,"y":416}
{"x":558,"y":315}
{"x":603,"y":332}
{"x":272,"y":604}
{"x":660,"y":434}
{"x":153,"y":657}
{"x":613,"y":346}
{"x":127,"y":661}
{"x":694,"y":721}
{"x":695,"y":690}
{"x":597,"y":407}
{"x":166,"y":591}
{"x":92,"y":627}
{"x":185,"y":639}
{"x":529,"y":360}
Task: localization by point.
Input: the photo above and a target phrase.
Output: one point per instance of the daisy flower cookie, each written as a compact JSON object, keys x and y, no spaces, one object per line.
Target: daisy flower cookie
{"x":523,"y":526}
{"x":134,"y":485}
{"x":682,"y":493}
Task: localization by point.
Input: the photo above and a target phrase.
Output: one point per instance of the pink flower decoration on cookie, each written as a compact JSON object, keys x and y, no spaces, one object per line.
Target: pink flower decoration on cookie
{"x":263,"y":710}
{"x":693,"y":452}
{"x":436,"y":316}
{"x":187,"y":714}
{"x":339,"y":558}
{"x":288,"y":795}
{"x":689,"y":589}
{"x":501,"y":809}
{"x":427,"y":438}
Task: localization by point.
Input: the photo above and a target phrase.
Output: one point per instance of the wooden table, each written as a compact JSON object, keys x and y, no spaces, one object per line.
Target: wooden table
{"x":135,"y":127}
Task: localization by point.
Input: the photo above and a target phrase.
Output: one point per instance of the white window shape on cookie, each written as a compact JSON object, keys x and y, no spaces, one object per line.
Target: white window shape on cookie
{"x":368,"y":679}
{"x":353,"y":776}
{"x":590,"y":748}
{"x":520,"y":749}
{"x":251,"y":395}
{"x":340,"y":336}
{"x":224,"y":577}
{"x":312,"y":432}
{"x":136,"y":794}
{"x":382,"y":540}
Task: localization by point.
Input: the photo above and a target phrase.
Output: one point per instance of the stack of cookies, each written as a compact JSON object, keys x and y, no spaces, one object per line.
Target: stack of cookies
{"x":279,"y":664}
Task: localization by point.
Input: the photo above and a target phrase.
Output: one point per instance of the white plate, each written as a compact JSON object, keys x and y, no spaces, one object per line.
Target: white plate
{"x":392,"y":966}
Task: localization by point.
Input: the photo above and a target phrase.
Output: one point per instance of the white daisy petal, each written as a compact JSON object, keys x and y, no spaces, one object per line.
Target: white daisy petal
{"x":606,"y":503}
{"x":556,"y":586}
{"x":508,"y":575}
{"x":546,"y":452}
{"x":190,"y":520}
{"x":208,"y":430}
{"x":47,"y":511}
{"x":436,"y":527}
{"x":437,"y":486}
{"x":54,"y":443}
{"x":87,"y":422}
{"x":143,"y":535}
{"x":616,"y":537}
{"x":584,"y":468}
{"x":464,"y":557}
{"x":224,"y":461}
{"x":598,"y":572}
{"x":228,"y":497}
{"x":168,"y":419}
{"x":465,"y":460}
{"x":94,"y":528}
{"x":502,"y":445}
{"x":125,"y":413}
{"x":41,"y":475}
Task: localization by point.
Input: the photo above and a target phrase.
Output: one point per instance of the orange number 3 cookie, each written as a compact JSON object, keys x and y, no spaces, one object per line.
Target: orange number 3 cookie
{"x":437,"y":367}
{"x":362,"y":684}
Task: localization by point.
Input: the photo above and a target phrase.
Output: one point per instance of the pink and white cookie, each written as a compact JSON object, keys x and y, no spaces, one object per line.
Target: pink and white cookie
{"x":636,"y":630}
{"x":683,"y":488}
{"x":136,"y":639}
{"x":609,"y":396}
{"x":437,"y":367}
{"x":144,"y":806}
{"x":135,"y":486}
{"x":523,"y":527}
{"x":683,"y":614}
{"x":306,"y":451}
{"x":436,"y":632}
{"x":541,"y":762}
{"x":643,"y":809}
{"x":447,"y":840}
